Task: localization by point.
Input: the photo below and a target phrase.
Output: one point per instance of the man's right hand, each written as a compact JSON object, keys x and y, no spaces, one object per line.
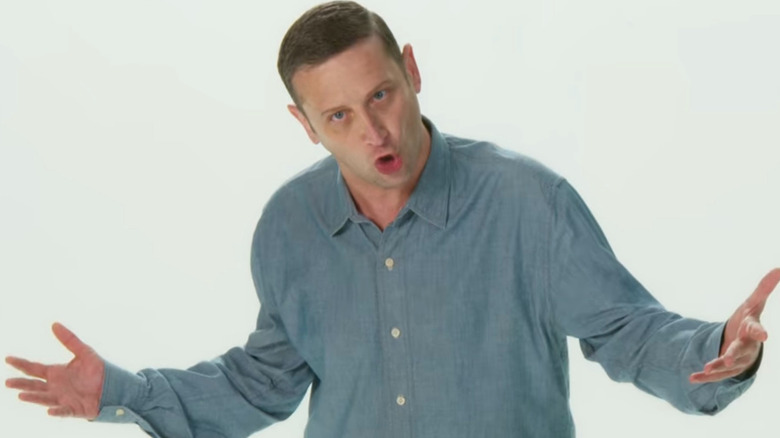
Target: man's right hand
{"x":69,"y":390}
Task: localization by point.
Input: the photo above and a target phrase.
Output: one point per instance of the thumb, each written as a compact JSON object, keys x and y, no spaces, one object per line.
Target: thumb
{"x":758,"y":298}
{"x":70,"y":340}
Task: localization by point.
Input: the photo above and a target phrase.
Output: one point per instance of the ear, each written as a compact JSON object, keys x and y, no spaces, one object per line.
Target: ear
{"x":301,"y":117}
{"x":411,"y":67}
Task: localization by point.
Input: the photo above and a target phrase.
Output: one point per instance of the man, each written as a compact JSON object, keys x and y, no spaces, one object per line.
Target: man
{"x":422,"y":284}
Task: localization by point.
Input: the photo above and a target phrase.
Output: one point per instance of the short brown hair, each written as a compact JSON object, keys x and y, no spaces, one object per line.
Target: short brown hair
{"x":326,"y":30}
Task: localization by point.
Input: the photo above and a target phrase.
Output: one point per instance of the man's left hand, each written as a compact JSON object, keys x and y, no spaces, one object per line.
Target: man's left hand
{"x":743,"y":336}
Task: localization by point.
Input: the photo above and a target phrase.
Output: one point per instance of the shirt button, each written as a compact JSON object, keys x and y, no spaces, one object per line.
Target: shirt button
{"x":120,"y":412}
{"x":395,"y":332}
{"x":389,"y":263}
{"x":401,"y":400}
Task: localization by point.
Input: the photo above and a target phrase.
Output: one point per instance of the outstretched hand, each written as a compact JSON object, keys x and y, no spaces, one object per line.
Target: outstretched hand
{"x":743,"y":336}
{"x":69,"y":390}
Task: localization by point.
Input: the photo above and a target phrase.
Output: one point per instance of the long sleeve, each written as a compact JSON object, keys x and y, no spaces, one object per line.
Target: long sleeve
{"x":233,"y":395}
{"x":619,"y":324}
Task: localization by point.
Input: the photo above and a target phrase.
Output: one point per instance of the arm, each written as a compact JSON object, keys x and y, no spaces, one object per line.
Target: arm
{"x":238,"y":393}
{"x":234,"y":395}
{"x":619,"y":324}
{"x":242,"y":391}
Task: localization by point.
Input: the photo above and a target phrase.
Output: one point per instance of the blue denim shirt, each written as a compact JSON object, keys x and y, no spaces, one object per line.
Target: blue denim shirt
{"x":452,"y":322}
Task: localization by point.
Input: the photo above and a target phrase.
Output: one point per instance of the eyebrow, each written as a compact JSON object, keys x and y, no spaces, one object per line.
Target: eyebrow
{"x":373,"y":91}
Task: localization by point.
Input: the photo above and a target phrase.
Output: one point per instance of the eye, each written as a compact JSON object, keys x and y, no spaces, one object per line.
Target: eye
{"x":379,"y":95}
{"x":338,"y":115}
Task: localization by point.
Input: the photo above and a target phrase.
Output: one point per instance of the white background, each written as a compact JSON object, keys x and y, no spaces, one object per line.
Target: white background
{"x":140,"y":139}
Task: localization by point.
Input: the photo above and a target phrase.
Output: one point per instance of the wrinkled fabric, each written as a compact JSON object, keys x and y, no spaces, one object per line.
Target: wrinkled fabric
{"x":452,"y":322}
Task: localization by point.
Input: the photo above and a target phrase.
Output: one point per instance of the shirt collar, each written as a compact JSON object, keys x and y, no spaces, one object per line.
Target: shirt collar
{"x":429,"y":200}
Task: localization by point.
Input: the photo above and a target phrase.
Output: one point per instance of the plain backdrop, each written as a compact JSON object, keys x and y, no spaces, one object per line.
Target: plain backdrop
{"x":139,"y":141}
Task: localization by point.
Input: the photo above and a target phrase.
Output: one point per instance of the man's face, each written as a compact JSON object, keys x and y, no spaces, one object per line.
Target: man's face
{"x":363,"y":108}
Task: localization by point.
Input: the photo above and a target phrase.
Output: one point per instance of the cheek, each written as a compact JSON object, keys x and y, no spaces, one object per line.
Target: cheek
{"x":337,"y":139}
{"x":397,"y":117}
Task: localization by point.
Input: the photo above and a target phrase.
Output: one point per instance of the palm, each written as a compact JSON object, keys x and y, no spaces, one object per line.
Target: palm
{"x":77,"y":383}
{"x":71,"y":389}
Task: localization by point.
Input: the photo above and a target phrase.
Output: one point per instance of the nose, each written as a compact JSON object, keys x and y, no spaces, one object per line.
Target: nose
{"x":374,"y":133}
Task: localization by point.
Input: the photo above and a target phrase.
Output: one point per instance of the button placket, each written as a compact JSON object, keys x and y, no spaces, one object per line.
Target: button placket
{"x":392,"y":319}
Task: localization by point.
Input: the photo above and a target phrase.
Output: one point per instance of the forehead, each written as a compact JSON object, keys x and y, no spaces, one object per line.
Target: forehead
{"x":347,"y":76}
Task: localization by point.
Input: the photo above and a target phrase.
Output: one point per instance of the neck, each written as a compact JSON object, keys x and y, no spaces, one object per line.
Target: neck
{"x":383,"y":207}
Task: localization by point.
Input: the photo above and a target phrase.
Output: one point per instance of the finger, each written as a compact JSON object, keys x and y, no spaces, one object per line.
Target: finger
{"x":752,"y":330}
{"x":698,"y":377}
{"x":721,"y":364}
{"x":724,"y":361}
{"x":69,"y":340}
{"x":60,"y":411}
{"x":735,"y":350}
{"x":765,"y":287}
{"x":27,"y":384}
{"x":720,"y":373}
{"x":41,"y":398}
{"x":715,"y":364}
{"x":741,"y":363}
{"x":713,"y":377}
{"x":33,"y":369}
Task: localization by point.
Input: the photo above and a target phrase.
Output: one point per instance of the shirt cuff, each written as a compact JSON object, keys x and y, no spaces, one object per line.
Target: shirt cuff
{"x":121,"y":392}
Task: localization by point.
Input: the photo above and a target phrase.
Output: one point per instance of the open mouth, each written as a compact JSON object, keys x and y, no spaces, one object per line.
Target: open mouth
{"x":388,"y":164}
